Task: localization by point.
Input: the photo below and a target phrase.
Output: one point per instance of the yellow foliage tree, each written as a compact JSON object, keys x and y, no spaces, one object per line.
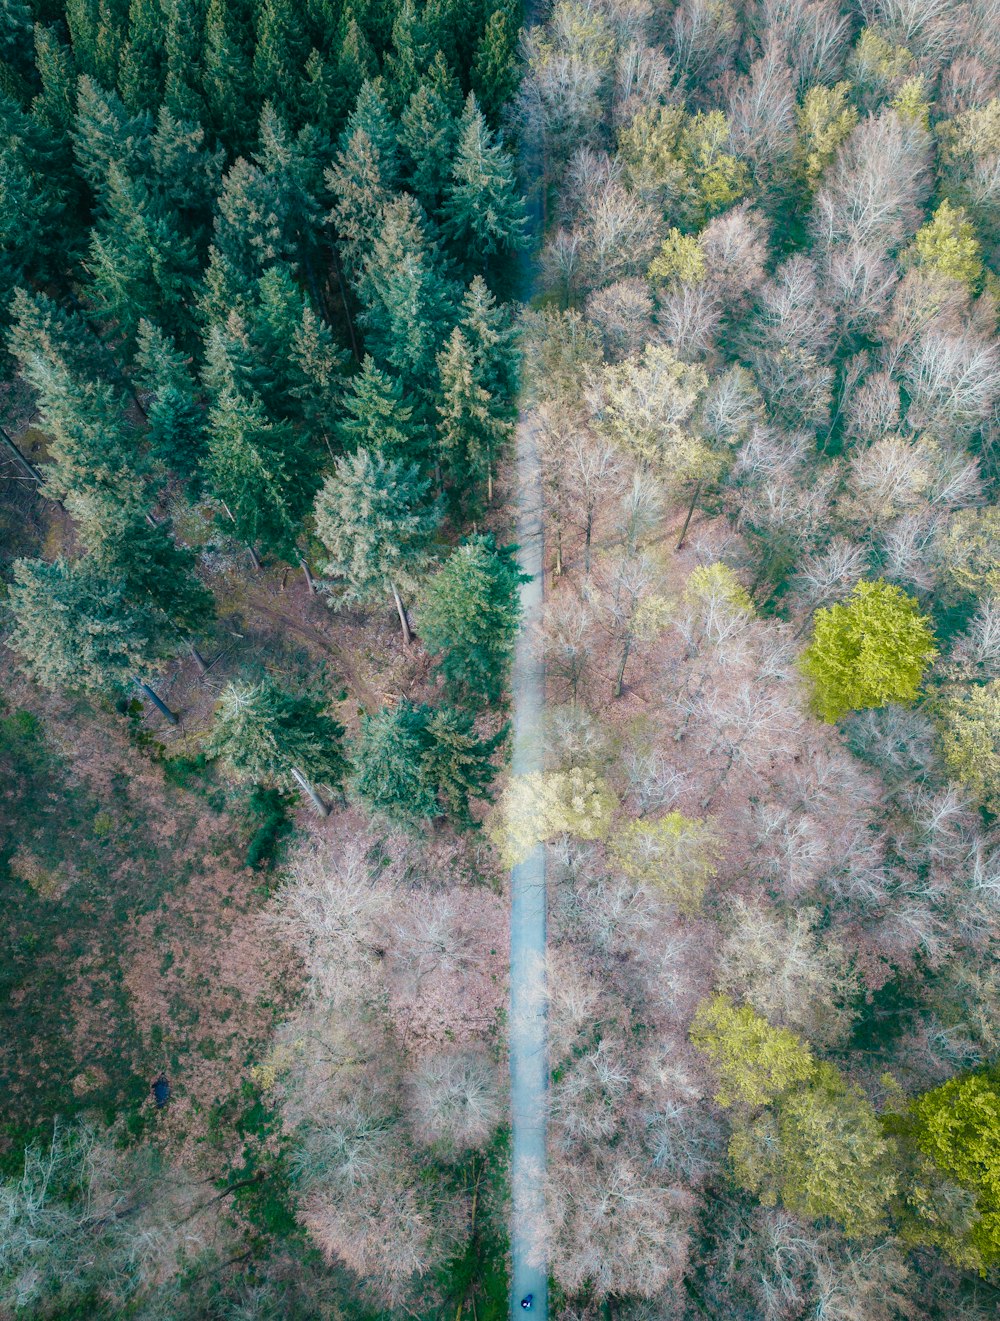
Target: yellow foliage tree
{"x":541,"y":806}
{"x":674,"y":855}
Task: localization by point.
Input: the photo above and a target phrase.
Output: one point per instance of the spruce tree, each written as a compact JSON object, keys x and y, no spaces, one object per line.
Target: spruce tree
{"x":409,"y":303}
{"x":228,"y":81}
{"x":472,"y":430}
{"x":484,"y":213}
{"x":376,"y":415}
{"x":262,"y":472}
{"x":492,"y":335}
{"x":280,"y":55}
{"x":143,"y":67}
{"x":373,"y":518}
{"x":410,"y":54}
{"x":76,"y":628}
{"x":495,"y":72}
{"x":272,"y":736}
{"x":469,"y":615}
{"x":428,"y":134}
{"x":176,"y":419}
{"x":364,"y":177}
{"x":417,"y":763}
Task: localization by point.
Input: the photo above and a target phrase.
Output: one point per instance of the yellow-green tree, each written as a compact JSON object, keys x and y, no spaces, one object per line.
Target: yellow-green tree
{"x":955,"y":1128}
{"x":755,"y":1062}
{"x":825,"y":118}
{"x":867,"y":651}
{"x":971,"y":741}
{"x":674,"y":855}
{"x":948,"y":245}
{"x":820,"y":1152}
{"x":542,"y":806}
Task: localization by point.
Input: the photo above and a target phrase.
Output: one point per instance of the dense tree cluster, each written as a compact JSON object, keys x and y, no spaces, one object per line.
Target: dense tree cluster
{"x":256,"y":259}
{"x":765,"y":383}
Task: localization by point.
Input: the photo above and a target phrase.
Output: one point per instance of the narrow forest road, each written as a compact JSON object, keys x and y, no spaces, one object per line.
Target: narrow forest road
{"x":528,"y":1028}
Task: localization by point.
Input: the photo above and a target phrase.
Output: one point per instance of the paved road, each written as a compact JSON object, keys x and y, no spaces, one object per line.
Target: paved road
{"x":529,"y":1071}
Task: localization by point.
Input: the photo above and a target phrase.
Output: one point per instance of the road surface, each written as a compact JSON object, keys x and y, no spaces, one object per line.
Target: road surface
{"x":528,"y":1028}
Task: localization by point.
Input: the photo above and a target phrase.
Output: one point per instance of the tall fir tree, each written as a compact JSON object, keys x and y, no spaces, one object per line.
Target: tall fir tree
{"x":272,"y":736}
{"x":495,"y":73}
{"x":143,"y":66}
{"x":280,"y":55}
{"x":472,"y":431}
{"x":374,"y":520}
{"x":409,"y":303}
{"x":228,"y":82}
{"x":429,"y":133}
{"x":364,"y":177}
{"x":469,"y":615}
{"x":484,"y":213}
{"x":176,"y":418}
{"x":376,"y":415}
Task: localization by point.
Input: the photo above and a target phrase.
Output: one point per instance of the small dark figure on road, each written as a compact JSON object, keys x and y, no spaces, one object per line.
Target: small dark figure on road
{"x":527,"y":1300}
{"x":161,"y":1091}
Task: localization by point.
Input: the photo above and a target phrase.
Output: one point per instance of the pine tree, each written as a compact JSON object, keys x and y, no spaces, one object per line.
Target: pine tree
{"x":492,"y":335}
{"x":187,"y":174}
{"x":142,"y":263}
{"x":495,"y":72}
{"x":16,"y":30}
{"x":409,"y":305}
{"x":272,"y":736}
{"x":92,"y":448}
{"x":176,"y":419}
{"x":376,"y":415}
{"x":228,"y":82}
{"x":363,"y":180}
{"x":182,"y":88}
{"x":484,"y":213}
{"x":143,"y":68}
{"x":158,"y":575}
{"x":410,"y":54}
{"x":373,"y":518}
{"x":262,"y":472}
{"x":104,"y":133}
{"x":472,"y":429}
{"x":428,"y":133}
{"x":75,"y":628}
{"x":469,"y":615}
{"x":280,"y":56}
{"x":415,"y":763}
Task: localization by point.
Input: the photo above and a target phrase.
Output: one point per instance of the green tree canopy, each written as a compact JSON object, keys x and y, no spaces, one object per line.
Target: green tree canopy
{"x":414,"y":763}
{"x":484,"y":213}
{"x":74,"y":627}
{"x":374,"y":519}
{"x":272,"y":736}
{"x":469,"y":616}
{"x":867,"y":651}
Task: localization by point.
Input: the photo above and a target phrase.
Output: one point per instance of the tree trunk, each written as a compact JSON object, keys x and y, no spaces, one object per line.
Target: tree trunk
{"x":559,"y":560}
{"x":310,"y":792}
{"x":198,"y":658}
{"x":620,"y":681}
{"x":489,"y":483}
{"x":310,"y":582}
{"x":687,"y":521}
{"x":404,"y":622}
{"x":254,"y":559}
{"x":160,"y":705}
{"x":588,"y":536}
{"x":24,"y":463}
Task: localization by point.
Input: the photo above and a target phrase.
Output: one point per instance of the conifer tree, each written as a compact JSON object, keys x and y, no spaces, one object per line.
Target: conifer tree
{"x":492,"y":337}
{"x":408,"y":302}
{"x":373,"y":518}
{"x":428,"y":133}
{"x":142,"y":71}
{"x":410,"y":54}
{"x":469,"y":616}
{"x":228,"y":82}
{"x":142,"y":263}
{"x":176,"y":419}
{"x":75,"y":628}
{"x":414,"y":763}
{"x":377,"y":416}
{"x":272,"y":736}
{"x":472,"y":429}
{"x":484,"y":214}
{"x":495,"y":73}
{"x":262,"y":472}
{"x":364,"y":177}
{"x":280,"y":55}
